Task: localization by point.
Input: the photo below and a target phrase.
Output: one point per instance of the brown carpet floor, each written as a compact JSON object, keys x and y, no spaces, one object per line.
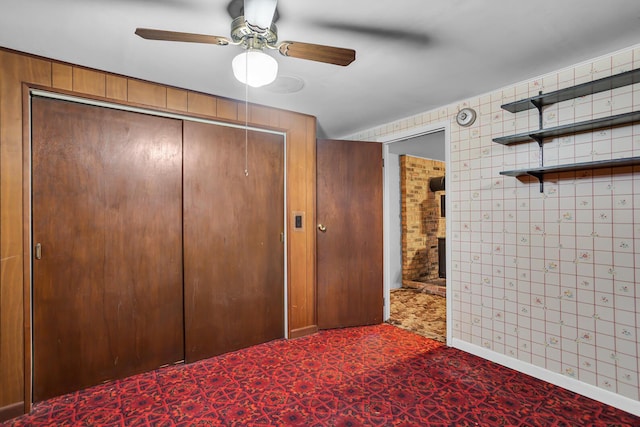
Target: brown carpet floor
{"x":419,"y":312}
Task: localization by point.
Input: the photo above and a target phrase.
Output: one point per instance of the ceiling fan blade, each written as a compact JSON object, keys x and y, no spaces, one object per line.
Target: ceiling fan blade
{"x":175,"y":36}
{"x":259,"y":13}
{"x":415,"y":37}
{"x":317,"y":52}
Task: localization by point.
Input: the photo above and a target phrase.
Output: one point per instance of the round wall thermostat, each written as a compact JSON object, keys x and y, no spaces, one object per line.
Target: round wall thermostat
{"x":466,"y":117}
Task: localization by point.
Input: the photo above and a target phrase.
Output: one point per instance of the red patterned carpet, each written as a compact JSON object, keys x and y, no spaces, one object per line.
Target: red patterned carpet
{"x":372,"y":376}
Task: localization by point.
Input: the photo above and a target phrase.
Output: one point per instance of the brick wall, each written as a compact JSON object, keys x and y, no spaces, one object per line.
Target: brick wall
{"x":421,"y":221}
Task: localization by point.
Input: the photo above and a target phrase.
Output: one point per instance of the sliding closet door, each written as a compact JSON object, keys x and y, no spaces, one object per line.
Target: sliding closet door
{"x":234,"y":256}
{"x":107,"y":234}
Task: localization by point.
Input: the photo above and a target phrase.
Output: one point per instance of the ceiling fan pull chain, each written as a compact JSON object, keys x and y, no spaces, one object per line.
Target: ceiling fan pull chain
{"x":246,"y":117}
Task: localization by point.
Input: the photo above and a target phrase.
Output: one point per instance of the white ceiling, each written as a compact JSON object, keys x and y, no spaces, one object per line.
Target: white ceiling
{"x":412,"y":55}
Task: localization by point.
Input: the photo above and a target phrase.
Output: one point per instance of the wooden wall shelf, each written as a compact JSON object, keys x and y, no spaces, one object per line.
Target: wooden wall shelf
{"x":589,"y":88}
{"x":598,"y":164}
{"x":586,"y":126}
{"x":542,"y":100}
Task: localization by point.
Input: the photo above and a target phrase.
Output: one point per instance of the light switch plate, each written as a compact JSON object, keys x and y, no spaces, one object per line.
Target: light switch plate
{"x":297,"y":220}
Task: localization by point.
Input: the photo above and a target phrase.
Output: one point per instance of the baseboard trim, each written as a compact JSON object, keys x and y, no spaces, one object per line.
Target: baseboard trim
{"x":301,"y":332}
{"x":579,"y":387}
{"x":11,"y":411}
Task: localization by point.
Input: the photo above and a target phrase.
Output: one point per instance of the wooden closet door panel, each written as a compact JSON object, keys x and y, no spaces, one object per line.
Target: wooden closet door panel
{"x":107,"y":292}
{"x":233,"y":256}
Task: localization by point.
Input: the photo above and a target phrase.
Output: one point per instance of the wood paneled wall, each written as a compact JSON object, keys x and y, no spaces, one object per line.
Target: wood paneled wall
{"x":18,"y":71}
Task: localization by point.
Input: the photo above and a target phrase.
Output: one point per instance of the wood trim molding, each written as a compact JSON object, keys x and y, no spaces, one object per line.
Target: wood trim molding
{"x":301,"y":332}
{"x":11,"y":411}
{"x":26,"y":248}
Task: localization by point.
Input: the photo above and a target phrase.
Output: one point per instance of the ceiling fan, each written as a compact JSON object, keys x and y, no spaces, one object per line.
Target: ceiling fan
{"x":255,"y":32}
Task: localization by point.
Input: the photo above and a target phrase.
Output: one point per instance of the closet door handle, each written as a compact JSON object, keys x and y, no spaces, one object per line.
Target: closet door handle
{"x":38,"y":251}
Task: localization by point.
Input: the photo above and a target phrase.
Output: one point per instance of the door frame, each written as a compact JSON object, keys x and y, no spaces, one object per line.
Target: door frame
{"x":385,"y":140}
{"x":29,"y":92}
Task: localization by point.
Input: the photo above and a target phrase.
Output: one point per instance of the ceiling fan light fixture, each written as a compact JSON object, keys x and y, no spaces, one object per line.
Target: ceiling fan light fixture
{"x":255,"y":68}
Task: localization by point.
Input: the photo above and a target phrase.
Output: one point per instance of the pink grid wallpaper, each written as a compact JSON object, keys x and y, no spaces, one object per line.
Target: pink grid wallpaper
{"x":547,"y":278}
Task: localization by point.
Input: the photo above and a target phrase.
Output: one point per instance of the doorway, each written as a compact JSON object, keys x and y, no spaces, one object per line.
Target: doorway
{"x":416,"y":256}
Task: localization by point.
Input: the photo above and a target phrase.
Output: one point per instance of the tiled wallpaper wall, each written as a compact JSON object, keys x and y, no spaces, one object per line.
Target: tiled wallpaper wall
{"x":550,"y":279}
